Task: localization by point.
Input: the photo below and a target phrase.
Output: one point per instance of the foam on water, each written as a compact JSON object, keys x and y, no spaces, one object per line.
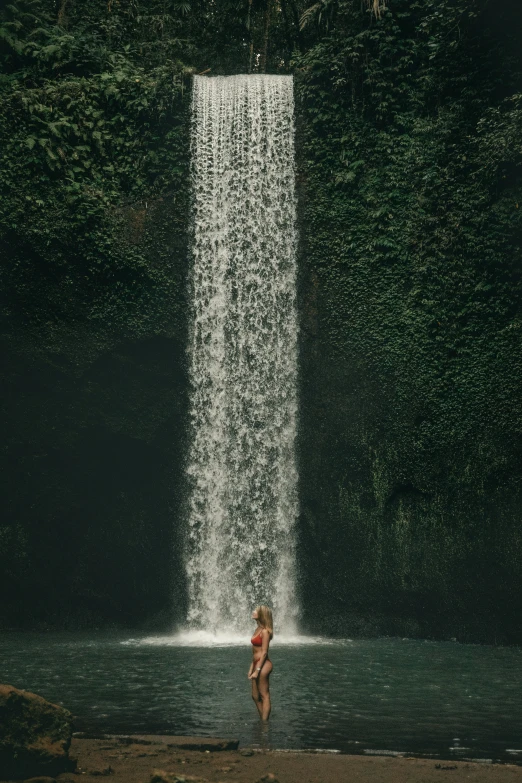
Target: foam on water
{"x":197,"y":638}
{"x":241,"y":467}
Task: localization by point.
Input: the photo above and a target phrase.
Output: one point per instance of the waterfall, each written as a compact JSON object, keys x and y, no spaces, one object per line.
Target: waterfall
{"x":241,"y":466}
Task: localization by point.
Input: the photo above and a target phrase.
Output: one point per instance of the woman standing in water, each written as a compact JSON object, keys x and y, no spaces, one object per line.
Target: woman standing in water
{"x":261,"y":667}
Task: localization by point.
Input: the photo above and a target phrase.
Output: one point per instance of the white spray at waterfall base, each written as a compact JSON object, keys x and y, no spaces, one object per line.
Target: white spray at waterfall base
{"x":241,"y":466}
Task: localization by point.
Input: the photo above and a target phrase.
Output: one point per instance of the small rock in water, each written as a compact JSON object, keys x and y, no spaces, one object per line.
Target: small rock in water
{"x":40,"y":779}
{"x":246,"y":752}
{"x":160,"y":776}
{"x":90,"y":735}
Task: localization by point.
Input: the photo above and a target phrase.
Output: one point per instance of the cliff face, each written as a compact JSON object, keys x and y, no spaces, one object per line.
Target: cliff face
{"x":408,"y":134}
{"x":96,"y":422}
{"x":410,"y":301}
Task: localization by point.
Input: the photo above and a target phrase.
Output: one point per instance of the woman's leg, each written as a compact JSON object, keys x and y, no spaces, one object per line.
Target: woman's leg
{"x":264,"y":690}
{"x":256,"y":696}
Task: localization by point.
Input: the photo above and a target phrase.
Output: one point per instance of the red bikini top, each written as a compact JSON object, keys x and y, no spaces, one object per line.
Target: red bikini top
{"x":257,"y":641}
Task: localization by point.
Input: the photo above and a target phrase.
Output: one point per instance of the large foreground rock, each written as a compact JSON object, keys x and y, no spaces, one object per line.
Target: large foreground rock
{"x":35,"y":735}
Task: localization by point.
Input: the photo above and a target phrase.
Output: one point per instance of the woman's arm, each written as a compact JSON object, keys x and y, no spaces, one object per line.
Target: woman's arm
{"x":264,"y":652}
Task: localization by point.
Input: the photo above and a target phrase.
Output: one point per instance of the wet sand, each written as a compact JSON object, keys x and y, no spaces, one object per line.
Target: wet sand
{"x":136,"y":759}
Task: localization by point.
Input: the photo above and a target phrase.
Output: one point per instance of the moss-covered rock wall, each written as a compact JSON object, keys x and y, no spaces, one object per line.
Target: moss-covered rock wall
{"x":410,"y":301}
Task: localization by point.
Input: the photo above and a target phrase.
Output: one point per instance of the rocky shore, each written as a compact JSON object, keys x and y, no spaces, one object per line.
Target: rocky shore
{"x":155,"y":759}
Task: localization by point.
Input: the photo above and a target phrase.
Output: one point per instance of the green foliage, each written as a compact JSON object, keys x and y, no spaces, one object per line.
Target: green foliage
{"x":90,"y":125}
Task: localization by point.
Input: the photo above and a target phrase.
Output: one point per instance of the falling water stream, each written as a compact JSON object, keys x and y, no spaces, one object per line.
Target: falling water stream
{"x":243,"y":354}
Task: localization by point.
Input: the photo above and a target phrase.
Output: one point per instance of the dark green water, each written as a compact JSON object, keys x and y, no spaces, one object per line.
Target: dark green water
{"x":414,"y":697}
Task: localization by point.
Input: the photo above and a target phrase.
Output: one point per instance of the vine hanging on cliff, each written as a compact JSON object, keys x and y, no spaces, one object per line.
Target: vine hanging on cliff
{"x":323,"y":12}
{"x":376,"y":6}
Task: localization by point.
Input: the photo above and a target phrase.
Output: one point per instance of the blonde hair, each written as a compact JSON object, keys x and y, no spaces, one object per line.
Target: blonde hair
{"x":264,"y":618}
